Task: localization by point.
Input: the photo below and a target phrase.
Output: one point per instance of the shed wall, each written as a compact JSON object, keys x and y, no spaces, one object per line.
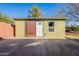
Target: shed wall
{"x":20,"y":29}
{"x":59,"y":30}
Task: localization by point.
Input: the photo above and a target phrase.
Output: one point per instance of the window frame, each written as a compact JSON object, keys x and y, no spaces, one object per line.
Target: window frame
{"x":51,"y":26}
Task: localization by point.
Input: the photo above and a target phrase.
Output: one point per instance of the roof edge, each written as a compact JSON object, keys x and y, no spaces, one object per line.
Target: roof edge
{"x":40,"y":19}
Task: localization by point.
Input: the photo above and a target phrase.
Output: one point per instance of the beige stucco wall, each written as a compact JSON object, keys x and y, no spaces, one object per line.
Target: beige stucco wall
{"x":59,"y":29}
{"x":20,"y":29}
{"x":59,"y":32}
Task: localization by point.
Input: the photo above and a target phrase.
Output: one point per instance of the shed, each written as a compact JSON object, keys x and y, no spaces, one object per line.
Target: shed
{"x":40,"y":28}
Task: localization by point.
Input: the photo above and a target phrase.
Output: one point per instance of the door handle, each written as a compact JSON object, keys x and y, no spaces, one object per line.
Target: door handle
{"x":45,"y":33}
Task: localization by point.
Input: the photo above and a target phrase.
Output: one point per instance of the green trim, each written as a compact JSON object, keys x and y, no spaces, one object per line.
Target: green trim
{"x":39,"y":19}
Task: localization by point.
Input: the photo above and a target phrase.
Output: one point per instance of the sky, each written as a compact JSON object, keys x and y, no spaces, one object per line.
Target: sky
{"x":20,"y":10}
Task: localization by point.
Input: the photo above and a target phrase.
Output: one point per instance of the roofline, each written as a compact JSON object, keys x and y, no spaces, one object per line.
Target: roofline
{"x":40,"y":19}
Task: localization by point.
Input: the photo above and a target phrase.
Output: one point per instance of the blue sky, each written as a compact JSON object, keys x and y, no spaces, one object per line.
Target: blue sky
{"x":20,"y":10}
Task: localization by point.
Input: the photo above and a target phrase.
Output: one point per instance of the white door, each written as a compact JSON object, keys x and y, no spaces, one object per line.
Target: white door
{"x":39,"y":28}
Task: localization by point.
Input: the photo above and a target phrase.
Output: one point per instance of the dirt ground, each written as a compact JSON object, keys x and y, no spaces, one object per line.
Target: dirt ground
{"x":72,"y":35}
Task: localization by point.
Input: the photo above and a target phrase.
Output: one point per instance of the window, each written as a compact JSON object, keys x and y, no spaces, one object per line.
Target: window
{"x":51,"y":26}
{"x":51,"y":29}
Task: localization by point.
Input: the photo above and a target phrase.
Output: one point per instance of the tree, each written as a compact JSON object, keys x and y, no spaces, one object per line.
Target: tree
{"x":75,"y":10}
{"x":4,"y":18}
{"x":34,"y":12}
{"x":71,"y":10}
